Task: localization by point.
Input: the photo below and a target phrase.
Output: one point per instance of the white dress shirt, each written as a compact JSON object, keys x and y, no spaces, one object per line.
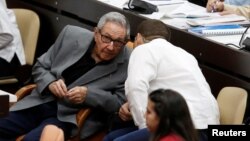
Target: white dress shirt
{"x":9,"y":27}
{"x":159,"y":64}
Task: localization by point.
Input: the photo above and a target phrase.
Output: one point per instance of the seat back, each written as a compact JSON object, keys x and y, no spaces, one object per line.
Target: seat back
{"x":232,"y":103}
{"x":29,"y":24}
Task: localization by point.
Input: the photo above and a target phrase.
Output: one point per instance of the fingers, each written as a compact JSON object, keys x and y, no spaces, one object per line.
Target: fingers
{"x":210,"y":5}
{"x":215,"y":6}
{"x":58,"y":88}
{"x":77,"y":94}
{"x":220,"y":6}
{"x":124,"y":112}
{"x":61,"y":87}
{"x":125,"y":116}
{"x":225,"y":13}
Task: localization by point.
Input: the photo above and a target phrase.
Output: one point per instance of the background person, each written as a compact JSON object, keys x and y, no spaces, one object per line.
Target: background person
{"x":229,"y":9}
{"x":11,"y":46}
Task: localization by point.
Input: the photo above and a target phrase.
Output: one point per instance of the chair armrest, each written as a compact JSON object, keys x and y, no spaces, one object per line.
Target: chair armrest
{"x":26,"y":90}
{"x":82,"y":115}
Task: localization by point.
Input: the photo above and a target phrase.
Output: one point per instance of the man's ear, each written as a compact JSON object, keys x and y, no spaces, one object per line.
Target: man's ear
{"x":96,"y":30}
{"x":139,"y":38}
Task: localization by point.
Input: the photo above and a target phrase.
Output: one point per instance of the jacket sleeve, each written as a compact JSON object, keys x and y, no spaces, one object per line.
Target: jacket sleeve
{"x":239,"y":10}
{"x":107,"y":101}
{"x":42,"y":72}
{"x":137,"y":83}
{"x":6,"y":33}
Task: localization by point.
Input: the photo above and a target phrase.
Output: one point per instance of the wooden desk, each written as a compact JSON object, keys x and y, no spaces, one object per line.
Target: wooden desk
{"x":221,"y":65}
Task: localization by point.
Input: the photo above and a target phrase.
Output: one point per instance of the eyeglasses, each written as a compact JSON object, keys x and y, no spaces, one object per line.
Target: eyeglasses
{"x":107,"y":39}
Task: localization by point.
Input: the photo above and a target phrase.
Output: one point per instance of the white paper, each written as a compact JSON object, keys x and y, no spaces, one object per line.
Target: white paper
{"x":188,"y":10}
{"x":116,"y":3}
{"x":164,"y":2}
{"x":12,"y":97}
{"x":213,"y":20}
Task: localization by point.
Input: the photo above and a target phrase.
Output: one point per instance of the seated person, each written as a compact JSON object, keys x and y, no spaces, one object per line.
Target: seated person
{"x":228,"y":9}
{"x":164,"y":66}
{"x":11,"y":47}
{"x":81,"y":69}
{"x":168,"y":117}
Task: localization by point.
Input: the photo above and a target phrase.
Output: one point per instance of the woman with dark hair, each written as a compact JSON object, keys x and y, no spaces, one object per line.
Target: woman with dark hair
{"x":168,"y":117}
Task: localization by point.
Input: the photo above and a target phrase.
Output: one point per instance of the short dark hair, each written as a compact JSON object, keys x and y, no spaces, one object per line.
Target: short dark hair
{"x":151,"y":29}
{"x":173,"y":114}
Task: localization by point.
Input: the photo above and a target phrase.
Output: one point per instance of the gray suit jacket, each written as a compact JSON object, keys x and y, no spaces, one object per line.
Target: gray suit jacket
{"x":105,"y":82}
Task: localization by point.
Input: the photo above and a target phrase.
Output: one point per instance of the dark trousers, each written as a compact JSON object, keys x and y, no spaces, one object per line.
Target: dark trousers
{"x":8,"y":69}
{"x":31,"y":123}
{"x":128,"y":134}
{"x":202,"y":134}
{"x":133,"y":134}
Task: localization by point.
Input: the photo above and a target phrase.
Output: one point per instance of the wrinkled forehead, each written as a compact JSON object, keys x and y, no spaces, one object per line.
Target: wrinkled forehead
{"x":114,"y":30}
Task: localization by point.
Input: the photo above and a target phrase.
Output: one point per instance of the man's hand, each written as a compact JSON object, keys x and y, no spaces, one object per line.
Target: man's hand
{"x":58,"y":88}
{"x":124,"y":112}
{"x":215,"y":6}
{"x":77,"y":94}
{"x":226,"y":13}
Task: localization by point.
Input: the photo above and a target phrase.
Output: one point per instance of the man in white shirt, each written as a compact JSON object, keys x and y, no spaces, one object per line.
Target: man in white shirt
{"x":11,"y":47}
{"x":155,"y":63}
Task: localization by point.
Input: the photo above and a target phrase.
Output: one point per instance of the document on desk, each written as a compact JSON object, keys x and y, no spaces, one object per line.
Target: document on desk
{"x":216,"y":30}
{"x":165,"y":2}
{"x":117,"y":3}
{"x":188,"y":10}
{"x":229,"y":40}
{"x":216,"y":19}
{"x":12,"y":97}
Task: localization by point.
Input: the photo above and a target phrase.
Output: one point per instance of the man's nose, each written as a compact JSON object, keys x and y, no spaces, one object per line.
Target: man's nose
{"x":111,"y":45}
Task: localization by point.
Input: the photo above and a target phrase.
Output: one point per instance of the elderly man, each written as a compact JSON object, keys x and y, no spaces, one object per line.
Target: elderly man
{"x":81,"y":69}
